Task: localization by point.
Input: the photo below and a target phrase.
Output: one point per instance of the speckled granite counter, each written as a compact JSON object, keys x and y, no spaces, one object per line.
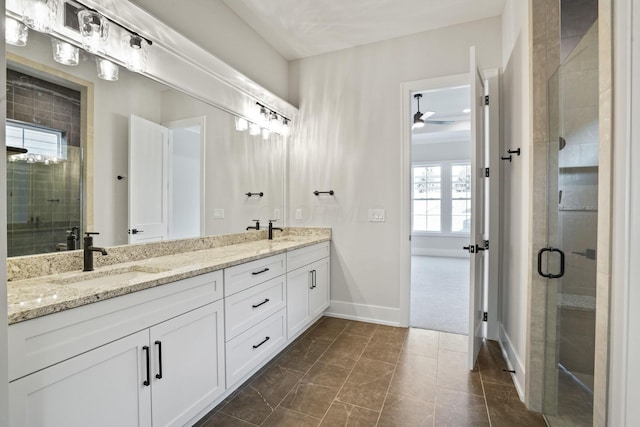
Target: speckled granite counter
{"x":148,"y":265}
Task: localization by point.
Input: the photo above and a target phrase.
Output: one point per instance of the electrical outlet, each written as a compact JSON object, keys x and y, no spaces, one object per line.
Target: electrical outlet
{"x":218,"y":213}
{"x":298,"y":214}
{"x":276,"y":214}
{"x":376,"y":215}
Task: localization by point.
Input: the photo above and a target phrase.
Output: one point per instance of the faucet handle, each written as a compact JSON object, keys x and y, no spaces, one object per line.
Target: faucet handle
{"x":272,"y":221}
{"x":91,"y":233}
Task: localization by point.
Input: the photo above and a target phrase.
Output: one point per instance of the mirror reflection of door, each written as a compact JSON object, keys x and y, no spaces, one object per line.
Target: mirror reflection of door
{"x":165,"y":178}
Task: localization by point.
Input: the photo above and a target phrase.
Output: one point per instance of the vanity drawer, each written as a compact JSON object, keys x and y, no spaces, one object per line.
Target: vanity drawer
{"x":243,"y":276}
{"x":254,"y":347}
{"x":245,"y":309}
{"x":307,"y":255}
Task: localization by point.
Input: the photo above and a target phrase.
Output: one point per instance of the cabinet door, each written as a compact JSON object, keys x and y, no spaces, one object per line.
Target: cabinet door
{"x":319,"y":294}
{"x":102,"y":387}
{"x":187,"y":364}
{"x":298,"y":287}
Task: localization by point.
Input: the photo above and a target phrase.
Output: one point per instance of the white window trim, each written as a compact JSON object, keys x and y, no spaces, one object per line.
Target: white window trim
{"x":445,"y":198}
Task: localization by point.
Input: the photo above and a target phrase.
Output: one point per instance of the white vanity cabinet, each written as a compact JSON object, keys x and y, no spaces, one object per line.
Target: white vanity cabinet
{"x":161,"y":375}
{"x":307,"y":286}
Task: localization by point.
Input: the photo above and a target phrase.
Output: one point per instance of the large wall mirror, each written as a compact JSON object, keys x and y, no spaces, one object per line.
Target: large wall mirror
{"x":84,"y":180}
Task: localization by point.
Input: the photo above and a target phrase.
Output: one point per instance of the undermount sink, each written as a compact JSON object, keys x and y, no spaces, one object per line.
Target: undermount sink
{"x":116,"y":277}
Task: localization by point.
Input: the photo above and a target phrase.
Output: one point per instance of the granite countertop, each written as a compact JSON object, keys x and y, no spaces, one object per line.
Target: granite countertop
{"x":38,"y":296}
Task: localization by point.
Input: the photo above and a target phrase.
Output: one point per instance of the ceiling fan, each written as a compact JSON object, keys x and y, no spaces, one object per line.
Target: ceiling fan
{"x":419,"y":119}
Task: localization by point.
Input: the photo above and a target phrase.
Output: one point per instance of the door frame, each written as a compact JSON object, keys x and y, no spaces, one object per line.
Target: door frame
{"x":491,"y":297}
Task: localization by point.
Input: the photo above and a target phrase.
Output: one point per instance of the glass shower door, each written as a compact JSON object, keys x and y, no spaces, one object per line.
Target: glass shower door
{"x":569,"y":261}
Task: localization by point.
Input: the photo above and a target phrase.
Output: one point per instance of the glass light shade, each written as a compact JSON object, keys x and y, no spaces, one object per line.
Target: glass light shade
{"x":16,"y":33}
{"x":94,"y":29}
{"x":135,"y":50}
{"x":64,"y":53}
{"x":266,"y":133}
{"x":107,"y":70}
{"x":241,"y":124}
{"x":40,"y":15}
{"x":285,"y":128}
{"x":254,"y":129}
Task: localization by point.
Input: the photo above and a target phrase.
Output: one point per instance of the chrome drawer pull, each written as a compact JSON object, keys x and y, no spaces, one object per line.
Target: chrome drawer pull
{"x":266,"y":300}
{"x":255,"y":273}
{"x":263,"y":341}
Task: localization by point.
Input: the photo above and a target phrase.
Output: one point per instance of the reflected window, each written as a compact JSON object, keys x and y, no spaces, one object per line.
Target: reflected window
{"x":42,"y":144}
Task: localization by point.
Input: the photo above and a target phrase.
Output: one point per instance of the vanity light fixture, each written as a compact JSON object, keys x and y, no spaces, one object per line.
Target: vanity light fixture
{"x":272,"y":120}
{"x":16,"y":33}
{"x":40,"y":15}
{"x":135,"y":52}
{"x":285,"y":127}
{"x":94,"y":29}
{"x":65,"y":53}
{"x":266,"y":133}
{"x":107,"y":70}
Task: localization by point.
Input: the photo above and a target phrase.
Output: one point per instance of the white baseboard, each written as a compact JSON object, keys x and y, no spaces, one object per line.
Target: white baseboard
{"x":364,"y":313}
{"x":513,"y":361}
{"x":455,"y":253}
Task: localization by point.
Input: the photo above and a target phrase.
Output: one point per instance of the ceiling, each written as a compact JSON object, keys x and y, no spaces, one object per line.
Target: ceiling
{"x":301,"y":28}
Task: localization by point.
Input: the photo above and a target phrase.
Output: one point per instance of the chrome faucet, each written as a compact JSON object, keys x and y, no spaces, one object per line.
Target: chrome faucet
{"x":89,"y":249}
{"x":271,"y":228}
{"x":256,"y":227}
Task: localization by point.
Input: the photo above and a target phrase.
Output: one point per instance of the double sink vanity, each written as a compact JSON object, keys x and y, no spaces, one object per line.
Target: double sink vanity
{"x":158,"y":333}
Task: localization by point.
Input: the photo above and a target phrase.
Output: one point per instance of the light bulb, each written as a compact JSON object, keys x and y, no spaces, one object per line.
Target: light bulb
{"x":64,"y":53}
{"x":40,"y":15}
{"x":135,"y":50}
{"x":241,"y":124}
{"x":94,"y":29}
{"x":107,"y":70}
{"x":16,"y":32}
{"x":254,"y":129}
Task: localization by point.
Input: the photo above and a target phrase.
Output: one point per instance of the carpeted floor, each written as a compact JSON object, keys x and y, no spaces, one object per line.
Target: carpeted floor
{"x":440,"y":294}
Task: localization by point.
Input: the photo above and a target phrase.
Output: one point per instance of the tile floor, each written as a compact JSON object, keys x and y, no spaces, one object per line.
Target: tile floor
{"x":346,"y":373}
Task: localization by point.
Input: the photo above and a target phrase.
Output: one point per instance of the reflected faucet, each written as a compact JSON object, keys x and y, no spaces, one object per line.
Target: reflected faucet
{"x":271,"y":228}
{"x":256,"y":227}
{"x":89,"y":249}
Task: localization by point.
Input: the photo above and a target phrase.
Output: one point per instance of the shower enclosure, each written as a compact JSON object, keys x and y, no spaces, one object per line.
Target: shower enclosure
{"x":569,"y":261}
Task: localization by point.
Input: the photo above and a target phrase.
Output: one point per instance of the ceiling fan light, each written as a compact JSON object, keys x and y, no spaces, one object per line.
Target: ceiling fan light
{"x":418,"y":121}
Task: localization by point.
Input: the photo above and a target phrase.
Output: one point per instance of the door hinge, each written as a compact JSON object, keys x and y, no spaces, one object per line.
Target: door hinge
{"x":486,"y":244}
{"x":485,"y":316}
{"x":486,"y":100}
{"x":486,"y":172}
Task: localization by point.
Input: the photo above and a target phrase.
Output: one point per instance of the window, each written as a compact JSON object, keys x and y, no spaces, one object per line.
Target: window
{"x":43,"y":144}
{"x":442,"y":198}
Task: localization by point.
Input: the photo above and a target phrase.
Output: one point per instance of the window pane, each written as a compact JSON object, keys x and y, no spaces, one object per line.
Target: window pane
{"x":460,"y":181}
{"x":460,"y":215}
{"x":419,"y":207}
{"x":433,"y":223}
{"x":419,"y":223}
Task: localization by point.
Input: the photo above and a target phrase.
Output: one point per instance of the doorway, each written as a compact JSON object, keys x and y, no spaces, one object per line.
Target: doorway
{"x":440,"y":209}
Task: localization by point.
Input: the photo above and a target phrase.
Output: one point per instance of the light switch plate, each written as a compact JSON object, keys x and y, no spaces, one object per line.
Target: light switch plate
{"x":376,"y":215}
{"x":298,"y":214}
{"x":276,"y":214}
{"x":218,"y":213}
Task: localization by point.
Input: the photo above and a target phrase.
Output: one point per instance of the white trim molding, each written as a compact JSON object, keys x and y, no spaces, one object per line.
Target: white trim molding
{"x":513,"y":361}
{"x":364,"y":313}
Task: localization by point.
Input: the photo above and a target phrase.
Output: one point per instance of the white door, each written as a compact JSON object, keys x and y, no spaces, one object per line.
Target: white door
{"x":102,"y":387}
{"x":478,"y":205}
{"x":148,"y":166}
{"x":187,"y":364}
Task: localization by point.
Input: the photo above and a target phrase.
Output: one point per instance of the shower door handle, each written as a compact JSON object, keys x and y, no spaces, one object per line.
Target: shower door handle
{"x":551,"y":275}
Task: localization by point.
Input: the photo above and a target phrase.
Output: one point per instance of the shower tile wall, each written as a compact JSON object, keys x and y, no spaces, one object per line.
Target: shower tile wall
{"x":43,"y":200}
